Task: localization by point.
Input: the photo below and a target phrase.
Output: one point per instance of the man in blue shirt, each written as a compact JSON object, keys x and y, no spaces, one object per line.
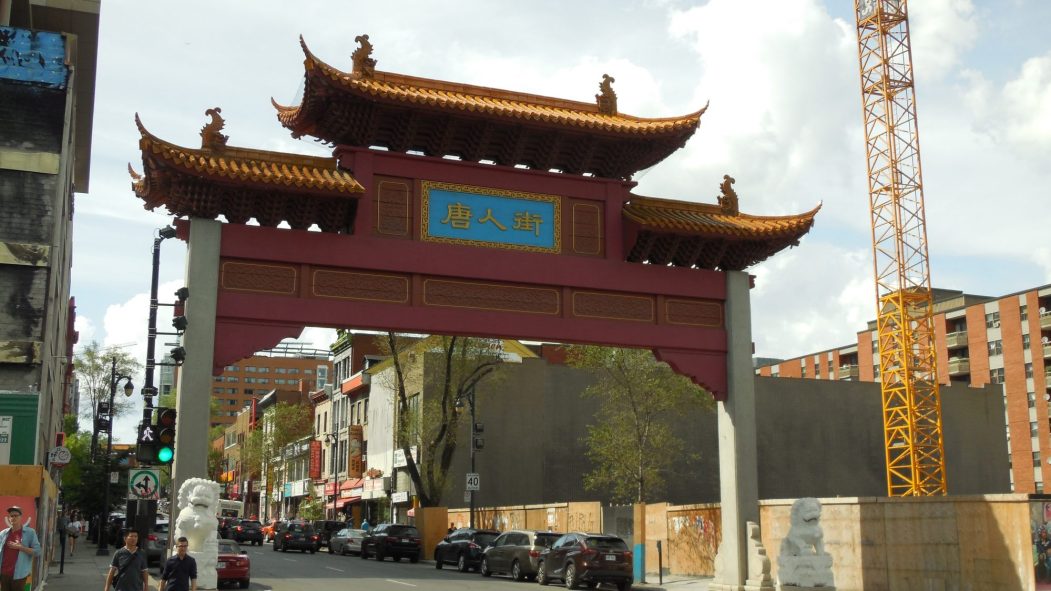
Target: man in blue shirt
{"x":180,"y":572}
{"x":20,"y":545}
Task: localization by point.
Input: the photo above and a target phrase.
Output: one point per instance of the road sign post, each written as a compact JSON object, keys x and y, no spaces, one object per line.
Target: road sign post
{"x":473,"y":481}
{"x":144,"y":484}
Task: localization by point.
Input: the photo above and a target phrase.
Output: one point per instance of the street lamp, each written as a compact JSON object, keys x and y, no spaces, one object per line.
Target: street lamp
{"x":129,"y":389}
{"x":475,"y":441}
{"x":333,"y":440}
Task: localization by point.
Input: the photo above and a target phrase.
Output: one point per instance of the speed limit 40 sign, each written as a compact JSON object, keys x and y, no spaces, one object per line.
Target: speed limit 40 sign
{"x":473,"y":482}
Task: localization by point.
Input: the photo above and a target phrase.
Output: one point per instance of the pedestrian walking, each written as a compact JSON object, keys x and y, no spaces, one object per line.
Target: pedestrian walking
{"x":127,"y":570}
{"x":20,"y":544}
{"x":74,"y":529}
{"x":60,"y":532}
{"x":180,"y":572}
{"x":364,"y":525}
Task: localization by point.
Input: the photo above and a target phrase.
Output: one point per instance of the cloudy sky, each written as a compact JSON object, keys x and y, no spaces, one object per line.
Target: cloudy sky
{"x":785,"y":120}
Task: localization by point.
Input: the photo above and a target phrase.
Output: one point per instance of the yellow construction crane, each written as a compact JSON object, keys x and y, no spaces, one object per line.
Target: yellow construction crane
{"x":912,"y":427}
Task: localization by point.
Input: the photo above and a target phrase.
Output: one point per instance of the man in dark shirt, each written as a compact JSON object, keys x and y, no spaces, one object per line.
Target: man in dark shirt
{"x":180,"y":572}
{"x":127,"y":571}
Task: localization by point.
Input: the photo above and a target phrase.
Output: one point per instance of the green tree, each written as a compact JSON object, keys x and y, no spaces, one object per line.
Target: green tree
{"x":310,"y":509}
{"x":632,"y":445}
{"x":93,"y":365}
{"x":83,"y":481}
{"x":462,"y":363}
{"x":282,"y":424}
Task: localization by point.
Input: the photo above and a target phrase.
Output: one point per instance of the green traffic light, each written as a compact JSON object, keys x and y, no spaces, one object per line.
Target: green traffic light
{"x":165,"y":454}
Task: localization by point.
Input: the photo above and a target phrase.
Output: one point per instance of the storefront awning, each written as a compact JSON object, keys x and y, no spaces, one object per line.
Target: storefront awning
{"x":350,"y":484}
{"x":341,"y":502}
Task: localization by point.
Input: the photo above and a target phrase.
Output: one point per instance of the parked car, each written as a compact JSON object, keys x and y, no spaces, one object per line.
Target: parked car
{"x":463,"y":548}
{"x":268,"y":530}
{"x":156,"y":543}
{"x":346,"y":541}
{"x":226,"y":525}
{"x":392,"y":539}
{"x":297,"y":535}
{"x":248,"y":530}
{"x":516,"y":553}
{"x":233,"y":565}
{"x":115,"y":530}
{"x":589,"y":559}
{"x":325,"y":528}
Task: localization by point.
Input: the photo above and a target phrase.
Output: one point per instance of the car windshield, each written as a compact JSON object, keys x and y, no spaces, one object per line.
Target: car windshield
{"x":247,"y":523}
{"x":226,"y":547}
{"x":546,"y":539}
{"x":161,"y":528}
{"x":607,"y":544}
{"x":403,"y":530}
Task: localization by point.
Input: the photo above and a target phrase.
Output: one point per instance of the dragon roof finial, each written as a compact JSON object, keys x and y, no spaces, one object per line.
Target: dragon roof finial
{"x":211,"y":138}
{"x":728,"y":198}
{"x":607,"y":99}
{"x":364,"y":65}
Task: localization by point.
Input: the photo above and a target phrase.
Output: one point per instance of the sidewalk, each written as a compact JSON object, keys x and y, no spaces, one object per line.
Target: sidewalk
{"x":85,"y":571}
{"x":673,"y":583}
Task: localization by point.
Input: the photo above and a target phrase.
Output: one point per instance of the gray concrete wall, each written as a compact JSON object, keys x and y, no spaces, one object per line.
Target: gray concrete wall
{"x":815,"y":438}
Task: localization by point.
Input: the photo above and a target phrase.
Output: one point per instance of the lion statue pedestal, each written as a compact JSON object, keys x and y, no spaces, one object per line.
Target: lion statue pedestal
{"x":198,"y":506}
{"x":803,"y":562}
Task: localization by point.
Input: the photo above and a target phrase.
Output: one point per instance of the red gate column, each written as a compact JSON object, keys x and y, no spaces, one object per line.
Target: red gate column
{"x":195,"y":375}
{"x":738,"y":467}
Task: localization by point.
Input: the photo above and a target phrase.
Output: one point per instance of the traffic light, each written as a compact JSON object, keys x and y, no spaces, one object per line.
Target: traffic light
{"x":146,"y":448}
{"x":179,"y":317}
{"x":165,"y":448}
{"x":178,"y":354}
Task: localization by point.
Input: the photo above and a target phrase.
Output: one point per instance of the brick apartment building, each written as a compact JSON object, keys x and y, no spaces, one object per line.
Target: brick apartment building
{"x":979,"y":340}
{"x":280,"y":368}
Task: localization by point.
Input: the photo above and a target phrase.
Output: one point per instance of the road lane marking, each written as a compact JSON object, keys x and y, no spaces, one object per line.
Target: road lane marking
{"x":400,"y":582}
{"x":289,"y":559}
{"x":338,"y":570}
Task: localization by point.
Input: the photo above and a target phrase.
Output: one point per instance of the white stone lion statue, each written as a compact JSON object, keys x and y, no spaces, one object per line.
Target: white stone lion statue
{"x":803,"y":561}
{"x":198,"y":506}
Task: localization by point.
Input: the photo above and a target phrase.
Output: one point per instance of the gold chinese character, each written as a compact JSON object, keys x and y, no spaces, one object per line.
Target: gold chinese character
{"x":489,"y":218}
{"x":528,"y":221}
{"x":458,"y":216}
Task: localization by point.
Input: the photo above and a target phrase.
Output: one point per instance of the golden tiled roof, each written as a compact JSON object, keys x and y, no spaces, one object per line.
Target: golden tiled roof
{"x":247,"y":165}
{"x":466,"y":98}
{"x":713,"y":220}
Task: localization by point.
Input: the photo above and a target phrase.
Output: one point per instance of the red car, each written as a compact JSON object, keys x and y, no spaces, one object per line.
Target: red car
{"x":233,"y":566}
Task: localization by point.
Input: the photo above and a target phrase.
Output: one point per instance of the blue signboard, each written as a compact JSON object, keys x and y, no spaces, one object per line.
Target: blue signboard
{"x":477,"y":216}
{"x":35,"y":57}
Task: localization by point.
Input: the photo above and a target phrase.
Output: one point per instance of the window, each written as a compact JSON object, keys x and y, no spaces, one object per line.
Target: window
{"x":996,"y":348}
{"x":280,"y":370}
{"x":217,"y":390}
{"x":366,"y":415}
{"x":1023,"y":313}
{"x":264,"y":370}
{"x":875,"y":372}
{"x":1028,"y":370}
{"x":1032,"y":399}
{"x":293,"y":370}
{"x":249,"y":391}
{"x":1039,"y":487}
{"x":1025,"y":342}
{"x":996,"y":376}
{"x":250,"y":369}
{"x":308,"y":372}
{"x":230,"y":368}
{"x":1036,"y":459}
{"x":802,"y":371}
{"x":218,"y":378}
{"x":831,"y":369}
{"x":231,"y":390}
{"x":231,"y":402}
{"x":262,"y":380}
{"x":231,"y":378}
{"x":1033,"y":433}
{"x":992,"y":320}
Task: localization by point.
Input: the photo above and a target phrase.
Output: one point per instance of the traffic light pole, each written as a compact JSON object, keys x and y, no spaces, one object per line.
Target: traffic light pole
{"x":470,"y":400}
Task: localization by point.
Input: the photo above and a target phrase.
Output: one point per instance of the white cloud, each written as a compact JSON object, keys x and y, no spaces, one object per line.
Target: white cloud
{"x":942,"y":31}
{"x":85,"y":330}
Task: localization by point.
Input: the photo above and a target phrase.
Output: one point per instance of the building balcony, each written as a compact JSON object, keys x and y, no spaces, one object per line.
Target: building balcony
{"x":1045,"y":320}
{"x":848,"y":372}
{"x":959,"y":366}
{"x":1047,"y":350}
{"x":956,"y":340}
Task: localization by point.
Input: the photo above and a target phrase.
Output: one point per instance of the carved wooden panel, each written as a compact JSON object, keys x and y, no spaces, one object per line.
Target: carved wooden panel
{"x":351,"y":285}
{"x":275,"y":279}
{"x":613,"y":306}
{"x":394,"y":207}
{"x":694,"y":312}
{"x":491,"y":296}
{"x":586,"y":229}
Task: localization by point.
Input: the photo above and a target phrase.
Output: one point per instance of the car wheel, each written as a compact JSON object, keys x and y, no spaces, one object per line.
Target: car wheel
{"x":516,"y":571}
{"x":624,"y":586}
{"x":591,"y":584}
{"x":313,"y":550}
{"x":461,"y":564}
{"x":284,"y":548}
{"x":414,"y":558}
{"x":438,"y":564}
{"x":396,"y":558}
{"x":541,"y":574}
{"x":363,"y":554}
{"x":380,"y":555}
{"x":484,"y":569}
{"x":571,"y":576}
{"x":343,"y":550}
{"x":244,"y":583}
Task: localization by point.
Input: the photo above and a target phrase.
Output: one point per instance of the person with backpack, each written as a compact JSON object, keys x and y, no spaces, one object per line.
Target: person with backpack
{"x":128,"y":570}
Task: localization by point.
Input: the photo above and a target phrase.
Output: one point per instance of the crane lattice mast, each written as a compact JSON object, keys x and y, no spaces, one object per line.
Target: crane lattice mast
{"x":912,"y":426}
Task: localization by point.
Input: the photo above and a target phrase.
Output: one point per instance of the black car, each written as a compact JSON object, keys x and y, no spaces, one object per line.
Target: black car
{"x":394,"y":540}
{"x":586,"y":559}
{"x":248,"y":530}
{"x":297,"y":535}
{"x":464,"y":548}
{"x":325,"y":528}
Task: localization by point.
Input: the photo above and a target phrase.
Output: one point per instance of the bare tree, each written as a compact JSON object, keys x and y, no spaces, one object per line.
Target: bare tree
{"x":93,"y":365}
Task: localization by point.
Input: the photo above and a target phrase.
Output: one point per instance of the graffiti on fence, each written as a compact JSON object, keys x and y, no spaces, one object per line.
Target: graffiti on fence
{"x":694,"y":540}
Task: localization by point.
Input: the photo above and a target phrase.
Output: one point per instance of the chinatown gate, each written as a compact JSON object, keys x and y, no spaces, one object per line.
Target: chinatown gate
{"x":457,"y":209}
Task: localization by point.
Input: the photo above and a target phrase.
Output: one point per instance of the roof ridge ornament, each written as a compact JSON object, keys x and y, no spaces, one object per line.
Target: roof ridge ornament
{"x":606,"y":99}
{"x":728,"y":199}
{"x":364,"y":65}
{"x":211,"y":139}
{"x":134,"y":175}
